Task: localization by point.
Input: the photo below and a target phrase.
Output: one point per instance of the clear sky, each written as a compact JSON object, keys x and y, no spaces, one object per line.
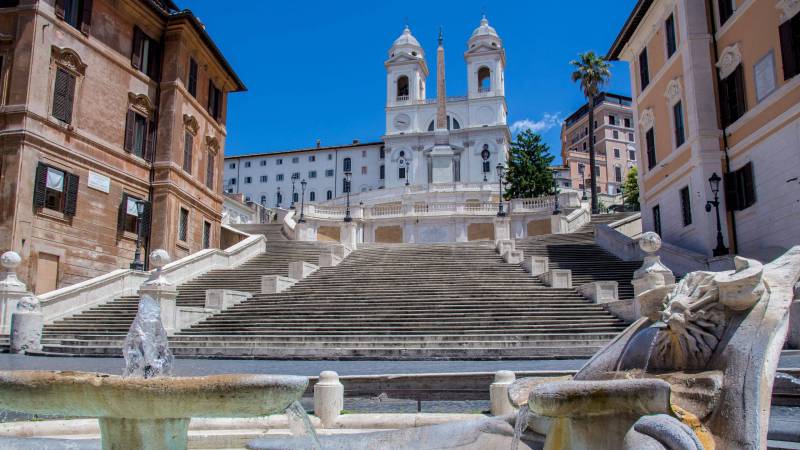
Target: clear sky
{"x":314,"y":69}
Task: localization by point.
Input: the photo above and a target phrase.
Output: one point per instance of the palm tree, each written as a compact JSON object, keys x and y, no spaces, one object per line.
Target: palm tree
{"x":592,"y":72}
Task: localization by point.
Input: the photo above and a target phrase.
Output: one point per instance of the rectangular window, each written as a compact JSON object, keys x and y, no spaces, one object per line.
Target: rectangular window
{"x":632,"y":155}
{"x":129,"y":214}
{"x":650,"y":139}
{"x":263,"y":162}
{"x":612,"y":120}
{"x":382,"y":152}
{"x":210,"y":172}
{"x":677,"y":117}
{"x":329,"y":195}
{"x":247,"y":163}
{"x":725,"y":10}
{"x":732,"y":97}
{"x":192,"y":84}
{"x":214,"y":101}
{"x":279,"y":162}
{"x":657,"y":219}
{"x":233,"y":181}
{"x":686,"y":207}
{"x":790,"y":46}
{"x":312,"y":174}
{"x":295,"y":159}
{"x":383,"y":172}
{"x":55,"y":189}
{"x":312,"y":158}
{"x":296,"y":175}
{"x":401,"y":173}
{"x":63,"y":95}
{"x":140,"y":135}
{"x":615,"y":134}
{"x":183,"y":225}
{"x":206,"y":234}
{"x":330,"y":157}
{"x":630,"y":137}
{"x":279,"y":177}
{"x":644,"y":70}
{"x":248,"y":180}
{"x":740,"y":191}
{"x":616,"y":153}
{"x":329,"y":173}
{"x":672,"y":43}
{"x":146,"y":54}
{"x":188,"y":143}
{"x":263,"y":178}
{"x":232,"y":166}
{"x":618,"y":174}
{"x":77,"y":13}
{"x":627,"y":122}
{"x":363,"y":170}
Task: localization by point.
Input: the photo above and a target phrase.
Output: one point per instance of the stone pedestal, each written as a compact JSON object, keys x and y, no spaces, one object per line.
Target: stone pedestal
{"x":328,"y":398}
{"x":349,"y":235}
{"x":536,"y":265}
{"x":558,"y":278}
{"x":26,"y":331}
{"x":329,"y":260}
{"x":301,"y":269}
{"x":500,"y":403}
{"x":513,"y":256}
{"x":302,"y":232}
{"x":275,"y":284}
{"x":503,"y":246}
{"x":341,"y":251}
{"x":11,"y":289}
{"x":653,"y":274}
{"x":600,"y":291}
{"x":502,"y":228}
{"x":220,"y":299}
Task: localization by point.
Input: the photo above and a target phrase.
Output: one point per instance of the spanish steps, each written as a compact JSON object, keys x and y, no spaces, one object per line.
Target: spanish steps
{"x":385,"y":301}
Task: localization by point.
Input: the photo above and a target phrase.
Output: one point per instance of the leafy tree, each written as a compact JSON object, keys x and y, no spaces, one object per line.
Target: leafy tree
{"x":630,"y":189}
{"x":591,"y":72}
{"x":529,"y":173}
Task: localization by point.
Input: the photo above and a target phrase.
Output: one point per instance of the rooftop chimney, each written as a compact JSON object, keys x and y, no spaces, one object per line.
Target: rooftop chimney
{"x":355,"y":141}
{"x":318,"y":143}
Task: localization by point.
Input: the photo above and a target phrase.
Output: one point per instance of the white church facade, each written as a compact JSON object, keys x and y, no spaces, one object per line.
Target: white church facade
{"x":416,"y":150}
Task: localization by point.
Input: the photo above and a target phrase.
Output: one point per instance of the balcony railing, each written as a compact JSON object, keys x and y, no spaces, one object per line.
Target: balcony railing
{"x":402,"y":98}
{"x":484,"y":89}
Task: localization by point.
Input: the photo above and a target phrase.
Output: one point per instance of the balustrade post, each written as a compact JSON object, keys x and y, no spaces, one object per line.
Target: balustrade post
{"x":11,"y":289}
{"x":328,"y":398}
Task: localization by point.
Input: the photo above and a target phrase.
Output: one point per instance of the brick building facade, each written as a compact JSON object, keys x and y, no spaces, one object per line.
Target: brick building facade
{"x":104,"y":104}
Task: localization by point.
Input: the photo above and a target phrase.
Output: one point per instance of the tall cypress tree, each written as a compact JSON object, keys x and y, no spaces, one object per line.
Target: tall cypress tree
{"x":529,"y":173}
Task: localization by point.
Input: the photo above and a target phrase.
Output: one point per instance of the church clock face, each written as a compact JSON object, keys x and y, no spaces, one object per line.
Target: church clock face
{"x":402,"y":122}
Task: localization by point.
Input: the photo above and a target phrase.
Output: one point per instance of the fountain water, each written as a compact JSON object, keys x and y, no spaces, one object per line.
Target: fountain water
{"x":300,"y":426}
{"x":146,"y":349}
{"x":519,"y":426}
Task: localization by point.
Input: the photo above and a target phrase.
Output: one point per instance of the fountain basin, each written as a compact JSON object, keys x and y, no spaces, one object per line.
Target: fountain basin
{"x":147,"y":413}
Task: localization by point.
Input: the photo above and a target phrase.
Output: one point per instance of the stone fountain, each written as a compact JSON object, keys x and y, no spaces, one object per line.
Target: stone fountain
{"x":146,"y":409}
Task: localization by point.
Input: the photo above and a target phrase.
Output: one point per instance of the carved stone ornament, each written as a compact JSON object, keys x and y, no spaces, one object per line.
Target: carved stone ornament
{"x":213,"y":144}
{"x":697,"y":313}
{"x":141,"y":103}
{"x":68,"y":59}
{"x":673,"y":92}
{"x":730,"y":58}
{"x":191,"y":124}
{"x":788,"y":8}
{"x":647,"y":120}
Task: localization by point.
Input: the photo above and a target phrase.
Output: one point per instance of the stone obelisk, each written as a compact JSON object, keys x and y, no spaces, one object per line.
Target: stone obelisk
{"x":442,"y":153}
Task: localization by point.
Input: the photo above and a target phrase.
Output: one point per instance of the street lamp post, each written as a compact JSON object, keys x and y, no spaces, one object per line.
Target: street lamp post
{"x":556,"y":208}
{"x":302,"y":200}
{"x":278,"y":198}
{"x":291,"y":205}
{"x":720,"y":249}
{"x":348,"y":177}
{"x":137,"y":263}
{"x":500,"y":173}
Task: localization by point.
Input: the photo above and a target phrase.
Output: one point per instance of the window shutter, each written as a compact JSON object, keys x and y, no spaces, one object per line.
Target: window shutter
{"x":210,"y":172}
{"x":60,"y":9}
{"x":188,"y":142}
{"x":731,"y":192}
{"x":787,"y":50}
{"x":39,"y":186}
{"x":69,"y":99}
{"x":748,"y":185}
{"x":129,"y":126}
{"x":60,"y":95}
{"x":145,"y":224}
{"x":150,"y":142}
{"x":136,"y":51}
{"x":123,"y":210}
{"x":192,"y":77}
{"x":72,"y":182}
{"x":86,"y":17}
{"x":210,"y":104}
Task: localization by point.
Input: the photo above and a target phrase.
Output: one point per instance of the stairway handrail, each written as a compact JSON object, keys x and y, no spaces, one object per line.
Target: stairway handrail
{"x":78,"y":297}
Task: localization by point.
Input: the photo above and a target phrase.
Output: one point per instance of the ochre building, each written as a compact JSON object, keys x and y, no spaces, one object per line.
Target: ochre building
{"x":112,"y":114}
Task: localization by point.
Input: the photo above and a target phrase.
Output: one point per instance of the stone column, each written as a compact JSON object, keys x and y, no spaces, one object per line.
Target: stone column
{"x":162,"y":291}
{"x":500,"y":403}
{"x":11,"y":289}
{"x":26,"y":326}
{"x":328,"y":398}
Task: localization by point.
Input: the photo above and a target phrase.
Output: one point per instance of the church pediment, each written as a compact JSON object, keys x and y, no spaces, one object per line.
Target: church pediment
{"x":406,"y":58}
{"x":482,"y":47}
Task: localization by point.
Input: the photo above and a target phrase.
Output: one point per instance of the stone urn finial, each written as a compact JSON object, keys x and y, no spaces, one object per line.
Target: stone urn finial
{"x":158,"y":259}
{"x":650,"y":242}
{"x":653,"y":273}
{"x":8,"y":277}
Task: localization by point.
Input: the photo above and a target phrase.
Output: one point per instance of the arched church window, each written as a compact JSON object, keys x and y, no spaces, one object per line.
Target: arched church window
{"x":329,"y":195}
{"x":347,"y":164}
{"x":451,"y":123}
{"x":430,"y":126}
{"x":484,"y":79}
{"x":456,"y":125}
{"x":402,"y":88}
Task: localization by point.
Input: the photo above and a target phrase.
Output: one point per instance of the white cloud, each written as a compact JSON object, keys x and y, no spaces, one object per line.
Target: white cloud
{"x":545,"y":124}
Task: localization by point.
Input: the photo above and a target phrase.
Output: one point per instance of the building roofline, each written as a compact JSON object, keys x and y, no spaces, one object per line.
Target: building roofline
{"x":583,"y":109}
{"x":301,"y":150}
{"x":624,"y":36}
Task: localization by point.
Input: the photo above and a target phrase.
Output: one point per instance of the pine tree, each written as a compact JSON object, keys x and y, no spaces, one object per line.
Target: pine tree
{"x":529,"y":173}
{"x":630,"y":189}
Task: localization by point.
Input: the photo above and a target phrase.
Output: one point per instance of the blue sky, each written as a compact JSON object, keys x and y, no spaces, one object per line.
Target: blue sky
{"x":314,"y":69}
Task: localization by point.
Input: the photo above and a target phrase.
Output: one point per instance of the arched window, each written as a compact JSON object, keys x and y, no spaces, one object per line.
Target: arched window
{"x":456,"y":125}
{"x":312,"y":196}
{"x":329,"y":195}
{"x":484,"y":79}
{"x":452,"y":122}
{"x":263,"y":200}
{"x":347,"y":165}
{"x":402,"y":88}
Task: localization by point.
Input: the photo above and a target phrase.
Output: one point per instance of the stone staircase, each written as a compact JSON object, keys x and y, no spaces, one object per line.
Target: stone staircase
{"x":272,"y":231}
{"x":437,"y":301}
{"x":579,"y":253}
{"x":113,"y":319}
